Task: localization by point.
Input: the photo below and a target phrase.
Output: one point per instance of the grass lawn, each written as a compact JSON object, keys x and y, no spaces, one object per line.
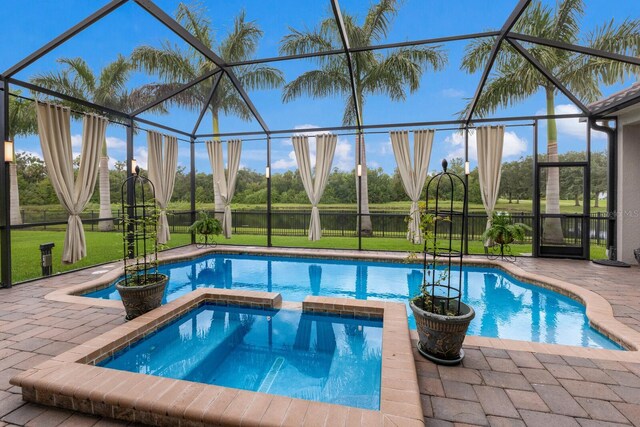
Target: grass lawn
{"x":566,"y":206}
{"x":106,"y":247}
{"x":101,"y":247}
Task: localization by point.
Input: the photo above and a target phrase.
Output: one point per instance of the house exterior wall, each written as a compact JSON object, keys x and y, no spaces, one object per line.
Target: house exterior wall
{"x":628,"y":215}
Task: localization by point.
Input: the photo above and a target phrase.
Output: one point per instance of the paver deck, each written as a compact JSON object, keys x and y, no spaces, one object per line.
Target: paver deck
{"x":494,"y":386}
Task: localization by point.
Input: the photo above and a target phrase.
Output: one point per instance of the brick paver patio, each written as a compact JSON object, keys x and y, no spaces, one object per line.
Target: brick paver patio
{"x":493,"y":386}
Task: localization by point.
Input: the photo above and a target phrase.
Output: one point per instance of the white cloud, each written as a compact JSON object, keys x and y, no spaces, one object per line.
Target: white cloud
{"x":76,"y":140}
{"x":141,"y":156}
{"x":452,"y":93}
{"x":114,"y":143}
{"x":513,"y":145}
{"x":343,"y":158}
{"x":570,"y":127}
{"x":289,"y":162}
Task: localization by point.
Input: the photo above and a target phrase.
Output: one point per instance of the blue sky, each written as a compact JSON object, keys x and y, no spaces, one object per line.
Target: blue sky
{"x":30,"y":24}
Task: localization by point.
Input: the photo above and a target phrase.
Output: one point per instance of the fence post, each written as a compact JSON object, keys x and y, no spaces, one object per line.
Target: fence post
{"x":598,"y":228}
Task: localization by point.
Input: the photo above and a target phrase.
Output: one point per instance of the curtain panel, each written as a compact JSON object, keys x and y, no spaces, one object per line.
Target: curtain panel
{"x":315,"y":184}
{"x":490,"y":141}
{"x":163,"y":162}
{"x":413,"y":177}
{"x":54,"y":128}
{"x":225,"y":186}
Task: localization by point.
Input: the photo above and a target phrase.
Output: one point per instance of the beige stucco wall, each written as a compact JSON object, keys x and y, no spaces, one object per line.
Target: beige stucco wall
{"x":628,"y":215}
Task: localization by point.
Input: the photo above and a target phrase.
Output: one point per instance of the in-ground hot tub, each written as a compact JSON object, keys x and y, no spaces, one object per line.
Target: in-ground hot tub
{"x":323,"y":357}
{"x":195,"y":362}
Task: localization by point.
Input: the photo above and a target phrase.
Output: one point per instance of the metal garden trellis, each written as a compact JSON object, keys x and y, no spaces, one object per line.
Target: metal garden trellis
{"x":131,"y":119}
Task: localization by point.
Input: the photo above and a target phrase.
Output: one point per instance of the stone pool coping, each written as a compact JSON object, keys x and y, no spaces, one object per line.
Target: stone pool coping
{"x":598,"y":309}
{"x":72,"y":381}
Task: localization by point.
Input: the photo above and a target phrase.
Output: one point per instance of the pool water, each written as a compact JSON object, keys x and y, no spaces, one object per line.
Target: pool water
{"x":505,"y":307}
{"x":315,"y":357}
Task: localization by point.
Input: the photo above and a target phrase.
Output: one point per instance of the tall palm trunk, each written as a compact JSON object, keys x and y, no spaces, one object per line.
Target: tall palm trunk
{"x":218,"y":204}
{"x":364,"y":222}
{"x":105,"y":191}
{"x":552,"y":230}
{"x":14,"y":204}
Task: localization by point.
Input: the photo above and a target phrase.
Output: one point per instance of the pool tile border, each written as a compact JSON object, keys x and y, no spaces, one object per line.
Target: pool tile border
{"x":598,"y":309}
{"x":72,"y":381}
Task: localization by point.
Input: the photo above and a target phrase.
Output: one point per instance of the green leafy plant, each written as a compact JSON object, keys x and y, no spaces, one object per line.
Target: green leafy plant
{"x":206,"y":225}
{"x":503,"y":230}
{"x":142,"y":270}
{"x":428,"y":225}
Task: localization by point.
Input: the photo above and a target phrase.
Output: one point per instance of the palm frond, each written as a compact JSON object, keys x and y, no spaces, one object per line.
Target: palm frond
{"x":566,"y":25}
{"x":378,"y":20}
{"x":404,"y":67}
{"x":60,"y":82}
{"x":301,"y":42}
{"x":349,"y":115}
{"x":194,"y":18}
{"x":82,"y":75}
{"x":476,"y":54}
{"x":242,"y":42}
{"x":318,"y":84}
{"x":167,"y":62}
{"x":112,"y":82}
{"x":261,"y":77}
{"x":537,"y":20}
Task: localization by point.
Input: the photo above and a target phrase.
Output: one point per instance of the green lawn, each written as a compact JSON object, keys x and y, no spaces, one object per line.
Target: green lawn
{"x":566,"y":206}
{"x":106,"y":247}
{"x":101,"y":248}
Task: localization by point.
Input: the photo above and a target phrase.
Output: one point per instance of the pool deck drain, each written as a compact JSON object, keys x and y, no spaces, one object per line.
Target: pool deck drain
{"x":519,"y":385}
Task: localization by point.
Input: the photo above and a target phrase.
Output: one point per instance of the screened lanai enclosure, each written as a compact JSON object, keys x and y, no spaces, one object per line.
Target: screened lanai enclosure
{"x":311,"y":124}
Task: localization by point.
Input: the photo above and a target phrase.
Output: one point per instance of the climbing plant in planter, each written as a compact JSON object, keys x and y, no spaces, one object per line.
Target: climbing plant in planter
{"x":142,"y":287}
{"x":442,"y":319}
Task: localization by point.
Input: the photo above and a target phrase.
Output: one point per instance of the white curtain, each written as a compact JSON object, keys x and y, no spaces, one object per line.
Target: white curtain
{"x":162,"y":173}
{"x":54,"y":127}
{"x":490,"y":142}
{"x":315,"y":185}
{"x":225,"y":185}
{"x":413,"y":177}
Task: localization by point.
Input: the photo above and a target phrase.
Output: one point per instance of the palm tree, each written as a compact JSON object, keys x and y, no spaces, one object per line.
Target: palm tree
{"x":22,"y":121}
{"x":175,"y":67}
{"x":108,"y":89}
{"x":514,"y":79}
{"x":374,"y":73}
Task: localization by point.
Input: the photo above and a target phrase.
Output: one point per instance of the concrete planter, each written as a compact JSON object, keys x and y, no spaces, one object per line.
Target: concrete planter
{"x":138,"y":300}
{"x":441,"y":336}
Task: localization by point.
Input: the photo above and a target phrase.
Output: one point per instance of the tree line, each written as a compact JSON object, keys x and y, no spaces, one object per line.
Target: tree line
{"x":516,"y":183}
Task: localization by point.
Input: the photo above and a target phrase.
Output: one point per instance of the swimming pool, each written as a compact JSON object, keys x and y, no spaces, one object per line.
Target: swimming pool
{"x":325,"y":358}
{"x":505,"y":307}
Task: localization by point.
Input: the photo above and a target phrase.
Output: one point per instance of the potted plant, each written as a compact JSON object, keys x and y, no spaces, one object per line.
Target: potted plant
{"x":503,"y":231}
{"x":142,"y":287}
{"x":205,"y":227}
{"x":441,"y":322}
{"x":442,"y":319}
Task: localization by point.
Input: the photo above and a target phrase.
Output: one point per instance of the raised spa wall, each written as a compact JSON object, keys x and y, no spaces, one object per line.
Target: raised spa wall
{"x":72,"y":381}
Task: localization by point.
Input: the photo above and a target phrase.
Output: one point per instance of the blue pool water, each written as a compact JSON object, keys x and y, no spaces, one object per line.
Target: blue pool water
{"x":324,"y":358}
{"x":505,"y":307}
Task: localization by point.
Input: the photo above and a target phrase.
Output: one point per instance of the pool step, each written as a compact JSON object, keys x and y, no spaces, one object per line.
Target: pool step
{"x":271,"y":375}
